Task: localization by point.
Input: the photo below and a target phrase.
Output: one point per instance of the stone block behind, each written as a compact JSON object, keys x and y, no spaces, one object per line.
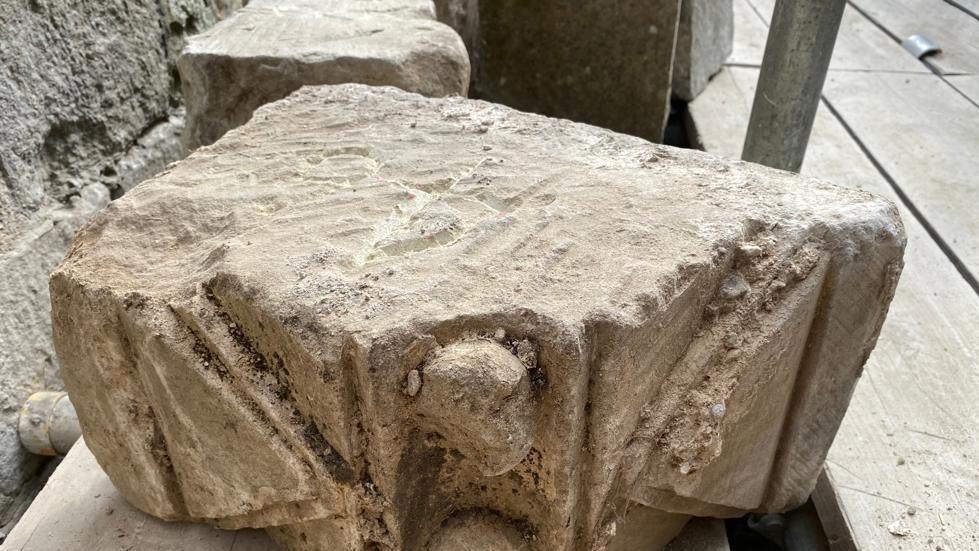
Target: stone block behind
{"x":603,"y":63}
{"x":270,"y":48}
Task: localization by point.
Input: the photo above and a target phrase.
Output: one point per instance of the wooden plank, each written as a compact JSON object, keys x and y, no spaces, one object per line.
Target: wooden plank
{"x":967,"y":85}
{"x":926,"y":136}
{"x":951,"y":28}
{"x":80,"y":509}
{"x":969,"y":6}
{"x":750,"y":33}
{"x":908,"y":440}
{"x":860,"y":45}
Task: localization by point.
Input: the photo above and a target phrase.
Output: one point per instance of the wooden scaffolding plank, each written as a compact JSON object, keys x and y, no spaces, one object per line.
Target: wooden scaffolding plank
{"x":750,"y":33}
{"x":925,"y":135}
{"x":967,"y":85}
{"x":969,"y":6}
{"x":80,"y":509}
{"x":860,"y":45}
{"x":904,"y":461}
{"x":720,"y":112}
{"x":954,"y":30}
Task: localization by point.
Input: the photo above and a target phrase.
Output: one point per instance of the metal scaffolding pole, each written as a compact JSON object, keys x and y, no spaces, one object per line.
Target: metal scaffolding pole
{"x":800,"y":44}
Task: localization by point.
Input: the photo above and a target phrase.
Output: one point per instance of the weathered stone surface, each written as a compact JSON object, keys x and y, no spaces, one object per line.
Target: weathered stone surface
{"x":704,"y":41}
{"x":86,"y":89}
{"x":270,"y":48}
{"x":239,"y":334}
{"x":594,"y":61}
{"x":477,"y":395}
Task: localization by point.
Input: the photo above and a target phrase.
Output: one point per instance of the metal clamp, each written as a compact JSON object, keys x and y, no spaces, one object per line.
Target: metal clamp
{"x":920,"y":46}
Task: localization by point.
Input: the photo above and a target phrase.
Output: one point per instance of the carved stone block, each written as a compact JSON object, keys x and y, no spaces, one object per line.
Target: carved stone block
{"x":368,"y":318}
{"x":270,"y":48}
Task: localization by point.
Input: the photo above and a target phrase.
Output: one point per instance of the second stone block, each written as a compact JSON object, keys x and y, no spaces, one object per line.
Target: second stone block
{"x":271,"y":48}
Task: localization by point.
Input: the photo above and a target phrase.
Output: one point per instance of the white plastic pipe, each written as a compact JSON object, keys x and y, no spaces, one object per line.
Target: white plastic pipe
{"x":48,"y":424}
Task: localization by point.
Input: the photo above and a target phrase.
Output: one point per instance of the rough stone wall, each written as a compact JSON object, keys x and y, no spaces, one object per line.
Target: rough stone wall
{"x":89,"y":107}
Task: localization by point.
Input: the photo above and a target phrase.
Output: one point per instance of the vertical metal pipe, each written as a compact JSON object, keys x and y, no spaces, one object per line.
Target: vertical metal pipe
{"x":800,"y":44}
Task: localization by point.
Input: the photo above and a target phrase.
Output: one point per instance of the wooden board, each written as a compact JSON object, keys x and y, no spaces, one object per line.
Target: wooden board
{"x":926,"y":136}
{"x":701,"y":534}
{"x":967,"y":85}
{"x":969,"y":6}
{"x":954,"y":30}
{"x":860,"y":45}
{"x":908,"y":440}
{"x":79,"y":509}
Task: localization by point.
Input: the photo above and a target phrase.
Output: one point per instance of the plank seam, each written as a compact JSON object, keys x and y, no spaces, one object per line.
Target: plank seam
{"x":918,"y":215}
{"x":937,"y":72}
{"x":760,"y":16}
{"x":963,"y":8}
{"x":960,"y":91}
{"x":844,"y":70}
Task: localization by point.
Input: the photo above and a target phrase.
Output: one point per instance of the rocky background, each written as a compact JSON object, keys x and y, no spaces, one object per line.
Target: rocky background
{"x":89,"y":107}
